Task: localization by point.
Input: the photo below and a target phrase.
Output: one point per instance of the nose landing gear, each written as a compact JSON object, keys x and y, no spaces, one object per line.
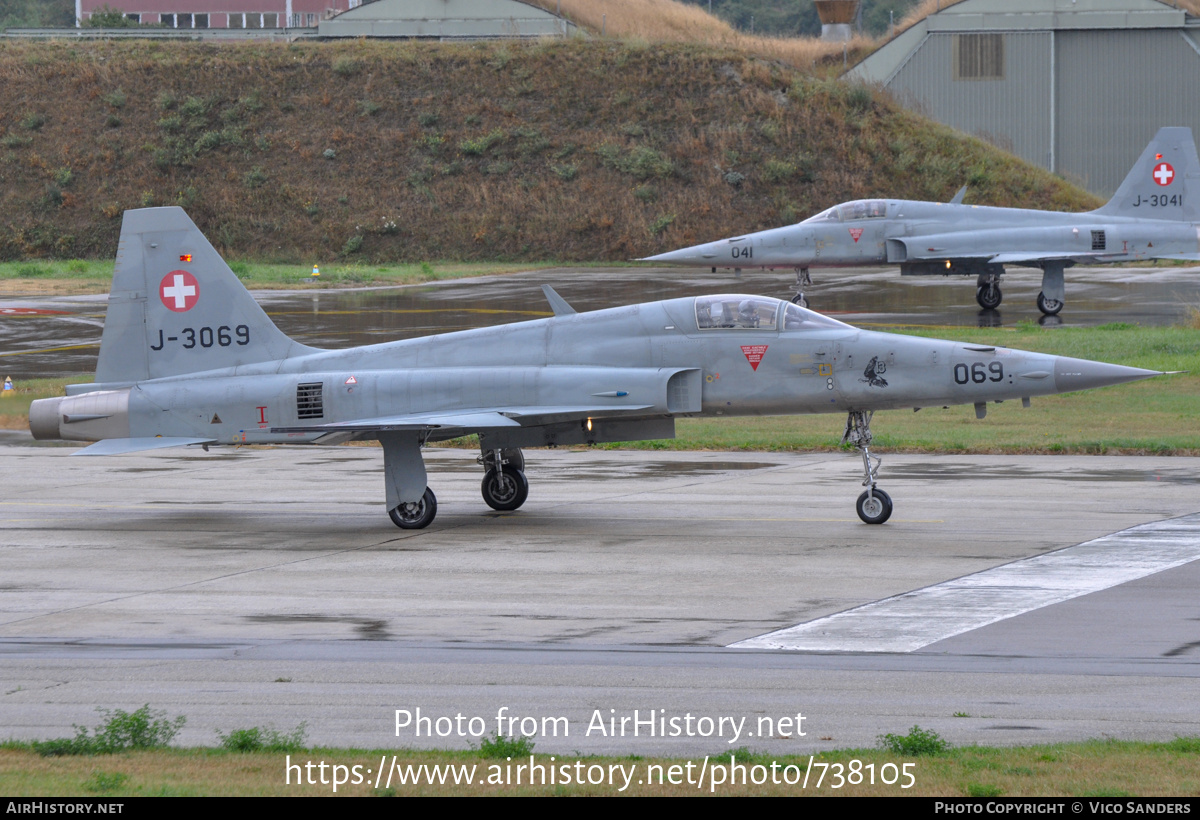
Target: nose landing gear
{"x":504,"y":485}
{"x":802,"y":280}
{"x":874,"y":506}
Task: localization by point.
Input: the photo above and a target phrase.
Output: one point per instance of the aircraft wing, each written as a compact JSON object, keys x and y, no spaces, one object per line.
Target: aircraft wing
{"x":476,"y":419}
{"x":117,"y":446}
{"x":1017,"y":258}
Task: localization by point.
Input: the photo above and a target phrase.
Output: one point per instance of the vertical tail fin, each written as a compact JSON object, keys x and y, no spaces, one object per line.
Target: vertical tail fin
{"x":177,"y":308}
{"x":1164,"y":182}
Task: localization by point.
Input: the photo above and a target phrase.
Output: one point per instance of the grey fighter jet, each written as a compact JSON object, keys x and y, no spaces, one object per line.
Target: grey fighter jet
{"x":1153,"y":215}
{"x":188,"y":358}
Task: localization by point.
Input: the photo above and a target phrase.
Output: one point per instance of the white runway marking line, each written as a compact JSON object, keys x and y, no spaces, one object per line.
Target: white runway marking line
{"x":908,"y":622}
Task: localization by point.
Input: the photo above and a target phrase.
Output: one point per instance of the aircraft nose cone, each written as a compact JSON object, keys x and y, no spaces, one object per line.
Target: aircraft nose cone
{"x":1081,"y":374}
{"x":680,"y":257}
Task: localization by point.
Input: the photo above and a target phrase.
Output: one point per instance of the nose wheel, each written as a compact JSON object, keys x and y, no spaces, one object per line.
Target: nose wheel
{"x":802,"y":280}
{"x":874,"y":506}
{"x":505,"y":489}
{"x":505,"y":486}
{"x":988,"y":296}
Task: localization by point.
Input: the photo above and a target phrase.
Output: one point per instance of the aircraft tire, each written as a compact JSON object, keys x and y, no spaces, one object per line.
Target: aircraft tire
{"x":988,"y":297}
{"x":876,"y":509}
{"x":1050,"y":307}
{"x":505,"y":490}
{"x":799,"y":299}
{"x":415,"y":516}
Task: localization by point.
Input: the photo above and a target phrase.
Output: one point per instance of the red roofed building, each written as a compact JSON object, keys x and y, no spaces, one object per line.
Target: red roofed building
{"x":221,"y":13}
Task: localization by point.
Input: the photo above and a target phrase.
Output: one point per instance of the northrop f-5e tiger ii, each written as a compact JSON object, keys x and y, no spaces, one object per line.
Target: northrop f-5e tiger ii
{"x":188,"y":358}
{"x":1155,"y":214}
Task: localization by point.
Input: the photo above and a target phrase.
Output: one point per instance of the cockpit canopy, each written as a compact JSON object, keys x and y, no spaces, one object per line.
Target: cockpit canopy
{"x":848,"y":211}
{"x":739,"y":311}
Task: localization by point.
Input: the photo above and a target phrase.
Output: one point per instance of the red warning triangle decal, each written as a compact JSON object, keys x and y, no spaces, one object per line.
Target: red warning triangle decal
{"x":855,"y":233}
{"x":754,"y":354}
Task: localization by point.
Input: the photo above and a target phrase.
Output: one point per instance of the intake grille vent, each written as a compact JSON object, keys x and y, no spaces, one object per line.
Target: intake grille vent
{"x":309,"y":401}
{"x":1099,"y":241}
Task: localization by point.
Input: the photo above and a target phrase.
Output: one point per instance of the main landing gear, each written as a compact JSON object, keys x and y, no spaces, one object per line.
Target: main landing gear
{"x":802,"y":280}
{"x":416,"y":515}
{"x":874,"y":506}
{"x":1053,"y":296}
{"x":504,"y":484}
{"x":1050,"y":301}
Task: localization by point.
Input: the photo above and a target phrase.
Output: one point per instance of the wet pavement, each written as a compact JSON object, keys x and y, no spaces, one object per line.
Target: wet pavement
{"x":54,"y":336}
{"x":269,"y":587}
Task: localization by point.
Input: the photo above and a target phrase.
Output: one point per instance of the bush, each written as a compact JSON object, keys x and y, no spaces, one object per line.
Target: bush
{"x":346,"y":66}
{"x":499,"y":746}
{"x":108,"y":17}
{"x":478,"y":146}
{"x":141,"y":729}
{"x":917,"y":742}
{"x":264,"y":739}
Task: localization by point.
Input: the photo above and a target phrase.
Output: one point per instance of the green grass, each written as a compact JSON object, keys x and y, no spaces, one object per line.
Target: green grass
{"x":95,"y":276}
{"x":1088,"y":769}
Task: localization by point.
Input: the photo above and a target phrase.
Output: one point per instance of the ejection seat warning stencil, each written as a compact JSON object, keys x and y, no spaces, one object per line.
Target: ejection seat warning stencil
{"x":754,"y":354}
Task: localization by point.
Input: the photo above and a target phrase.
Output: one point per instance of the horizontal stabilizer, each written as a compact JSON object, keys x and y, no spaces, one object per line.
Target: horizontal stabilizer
{"x":557,"y":303}
{"x":118,"y":446}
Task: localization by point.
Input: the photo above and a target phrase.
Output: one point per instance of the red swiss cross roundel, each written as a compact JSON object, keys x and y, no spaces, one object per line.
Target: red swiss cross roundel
{"x":1164,"y":173}
{"x":179,"y":291}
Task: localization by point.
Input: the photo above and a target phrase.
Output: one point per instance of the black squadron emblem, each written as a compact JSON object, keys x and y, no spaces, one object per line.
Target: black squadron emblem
{"x":873,"y":375}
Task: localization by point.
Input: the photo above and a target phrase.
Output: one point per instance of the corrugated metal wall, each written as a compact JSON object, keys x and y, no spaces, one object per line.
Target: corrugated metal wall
{"x":1013,"y":112}
{"x":1115,"y":90}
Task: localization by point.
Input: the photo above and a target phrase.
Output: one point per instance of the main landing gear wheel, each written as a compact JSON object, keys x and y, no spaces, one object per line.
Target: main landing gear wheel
{"x":988,"y":296}
{"x":506,"y":489}
{"x":874,"y":507}
{"x":1050,"y":307}
{"x":415,"y":515}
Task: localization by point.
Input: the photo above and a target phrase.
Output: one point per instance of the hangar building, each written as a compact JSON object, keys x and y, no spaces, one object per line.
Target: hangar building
{"x":440,"y":19}
{"x":1076,"y":86}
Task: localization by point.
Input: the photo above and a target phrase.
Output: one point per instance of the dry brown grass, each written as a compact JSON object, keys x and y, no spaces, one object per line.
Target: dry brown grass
{"x":372,"y":152}
{"x":670,"y":21}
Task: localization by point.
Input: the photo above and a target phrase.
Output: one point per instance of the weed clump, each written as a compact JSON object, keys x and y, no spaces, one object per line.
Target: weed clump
{"x":121,"y":730}
{"x":917,"y":742}
{"x":264,"y":739}
{"x":500,"y":746}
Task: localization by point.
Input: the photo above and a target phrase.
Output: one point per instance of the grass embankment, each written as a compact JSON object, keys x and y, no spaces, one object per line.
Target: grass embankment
{"x":78,"y":276}
{"x":670,"y":21}
{"x":1101,"y":768}
{"x":1158,"y":416}
{"x":379,"y":152}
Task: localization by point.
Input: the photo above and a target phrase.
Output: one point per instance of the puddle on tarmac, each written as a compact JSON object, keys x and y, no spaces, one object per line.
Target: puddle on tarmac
{"x":367,"y":629}
{"x":956,"y":472}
